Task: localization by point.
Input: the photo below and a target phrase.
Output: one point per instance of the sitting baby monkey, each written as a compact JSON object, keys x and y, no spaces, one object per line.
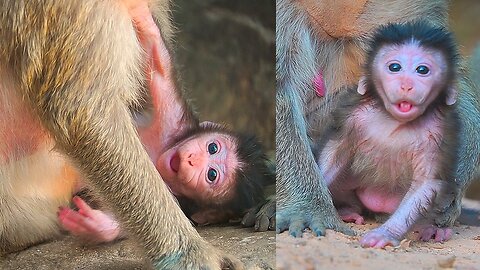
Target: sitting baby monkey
{"x":391,"y":149}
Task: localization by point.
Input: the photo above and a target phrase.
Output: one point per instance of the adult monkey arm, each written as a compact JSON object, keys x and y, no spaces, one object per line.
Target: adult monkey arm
{"x":79,"y":71}
{"x":303,"y":198}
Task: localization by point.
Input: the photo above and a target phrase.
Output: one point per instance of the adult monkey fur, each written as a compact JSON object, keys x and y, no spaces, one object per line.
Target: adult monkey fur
{"x":50,"y":55}
{"x":315,"y":37}
{"x":391,"y":149}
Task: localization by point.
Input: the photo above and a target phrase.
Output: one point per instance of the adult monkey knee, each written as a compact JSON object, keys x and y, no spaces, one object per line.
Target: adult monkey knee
{"x":316,"y":40}
{"x":76,"y":66}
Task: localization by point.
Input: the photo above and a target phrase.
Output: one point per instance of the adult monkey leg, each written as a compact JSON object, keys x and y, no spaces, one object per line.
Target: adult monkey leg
{"x":79,"y":70}
{"x":303,"y":200}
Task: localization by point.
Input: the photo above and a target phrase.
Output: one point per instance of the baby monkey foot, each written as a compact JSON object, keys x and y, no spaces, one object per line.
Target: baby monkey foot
{"x":351,"y":216}
{"x":379,"y":238}
{"x":428,"y":232}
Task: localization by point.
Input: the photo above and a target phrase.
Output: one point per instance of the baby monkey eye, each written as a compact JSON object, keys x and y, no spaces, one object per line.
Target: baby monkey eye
{"x":212,"y":148}
{"x":212,"y":175}
{"x":422,"y":70}
{"x":394,"y":67}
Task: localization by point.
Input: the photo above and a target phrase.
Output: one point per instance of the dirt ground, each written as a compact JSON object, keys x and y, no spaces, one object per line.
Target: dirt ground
{"x":338,"y":251}
{"x":256,"y":250}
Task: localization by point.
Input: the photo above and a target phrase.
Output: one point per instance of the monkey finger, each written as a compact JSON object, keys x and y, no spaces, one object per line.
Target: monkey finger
{"x":262,"y":223}
{"x":83,"y":207}
{"x":343,"y":228}
{"x":80,"y":220}
{"x":296,"y":228}
{"x":268,"y":209}
{"x":249,"y":219}
{"x":282,"y":225}
{"x":272,"y":225}
{"x":69,"y":224}
{"x":318,"y":229}
{"x":320,"y":225}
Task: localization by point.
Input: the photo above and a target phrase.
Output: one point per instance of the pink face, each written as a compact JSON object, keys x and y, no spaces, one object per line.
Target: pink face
{"x":408,"y":78}
{"x":199,"y":167}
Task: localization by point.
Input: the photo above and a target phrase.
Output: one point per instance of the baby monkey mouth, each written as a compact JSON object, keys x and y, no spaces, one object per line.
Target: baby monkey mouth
{"x":404,"y":106}
{"x":175,"y":162}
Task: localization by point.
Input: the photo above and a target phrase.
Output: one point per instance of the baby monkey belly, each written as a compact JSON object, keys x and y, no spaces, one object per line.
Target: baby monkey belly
{"x":379,"y":200}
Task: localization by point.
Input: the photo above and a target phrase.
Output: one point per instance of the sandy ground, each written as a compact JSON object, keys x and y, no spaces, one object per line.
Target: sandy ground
{"x":256,"y":250}
{"x":338,"y":251}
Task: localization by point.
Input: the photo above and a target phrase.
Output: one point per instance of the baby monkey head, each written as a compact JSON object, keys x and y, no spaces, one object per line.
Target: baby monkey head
{"x":411,"y":68}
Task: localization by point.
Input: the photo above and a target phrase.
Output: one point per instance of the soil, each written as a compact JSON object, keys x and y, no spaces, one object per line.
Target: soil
{"x":255,"y":249}
{"x":338,"y":251}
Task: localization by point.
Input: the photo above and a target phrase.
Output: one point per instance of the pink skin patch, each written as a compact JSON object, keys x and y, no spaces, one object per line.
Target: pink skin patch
{"x":405,"y":106}
{"x":429,"y":232}
{"x":319,"y":85}
{"x":378,"y":200}
{"x":378,"y":238}
{"x":87,"y":223}
{"x":351,"y":216}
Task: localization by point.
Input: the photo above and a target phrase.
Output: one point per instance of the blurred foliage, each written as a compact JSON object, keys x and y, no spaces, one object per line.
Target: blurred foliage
{"x":226,"y":53}
{"x":465,"y":23}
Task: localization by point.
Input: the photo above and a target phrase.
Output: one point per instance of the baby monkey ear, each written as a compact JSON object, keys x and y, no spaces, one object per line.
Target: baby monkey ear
{"x":451,"y":95}
{"x":362,"y":88}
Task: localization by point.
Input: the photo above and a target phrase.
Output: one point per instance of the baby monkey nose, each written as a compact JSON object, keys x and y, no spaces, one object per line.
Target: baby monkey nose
{"x":407,"y":87}
{"x":194,"y":159}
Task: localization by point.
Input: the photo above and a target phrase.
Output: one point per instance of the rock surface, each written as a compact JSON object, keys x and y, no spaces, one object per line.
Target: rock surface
{"x":255,"y":250}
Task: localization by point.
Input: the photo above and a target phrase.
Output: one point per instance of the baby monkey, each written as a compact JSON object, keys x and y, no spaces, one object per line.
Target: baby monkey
{"x":391,"y":149}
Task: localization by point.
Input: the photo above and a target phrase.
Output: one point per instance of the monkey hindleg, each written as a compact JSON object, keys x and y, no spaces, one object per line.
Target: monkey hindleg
{"x":417,"y":199}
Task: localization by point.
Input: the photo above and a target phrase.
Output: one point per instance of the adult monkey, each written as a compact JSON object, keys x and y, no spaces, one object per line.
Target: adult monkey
{"x":319,"y":55}
{"x":73,"y":69}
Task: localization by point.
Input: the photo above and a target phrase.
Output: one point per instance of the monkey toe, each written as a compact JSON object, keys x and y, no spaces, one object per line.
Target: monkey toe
{"x":249,"y":219}
{"x":296,"y":228}
{"x":272,"y":225}
{"x":262,"y":223}
{"x":378,"y":238}
{"x":429,"y":232}
{"x":282,"y":224}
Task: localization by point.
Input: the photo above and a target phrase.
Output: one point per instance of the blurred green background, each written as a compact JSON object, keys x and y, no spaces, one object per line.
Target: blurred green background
{"x":226,"y":56}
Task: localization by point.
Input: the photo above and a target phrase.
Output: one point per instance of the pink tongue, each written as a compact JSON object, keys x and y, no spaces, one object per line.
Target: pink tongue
{"x":404,"y":106}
